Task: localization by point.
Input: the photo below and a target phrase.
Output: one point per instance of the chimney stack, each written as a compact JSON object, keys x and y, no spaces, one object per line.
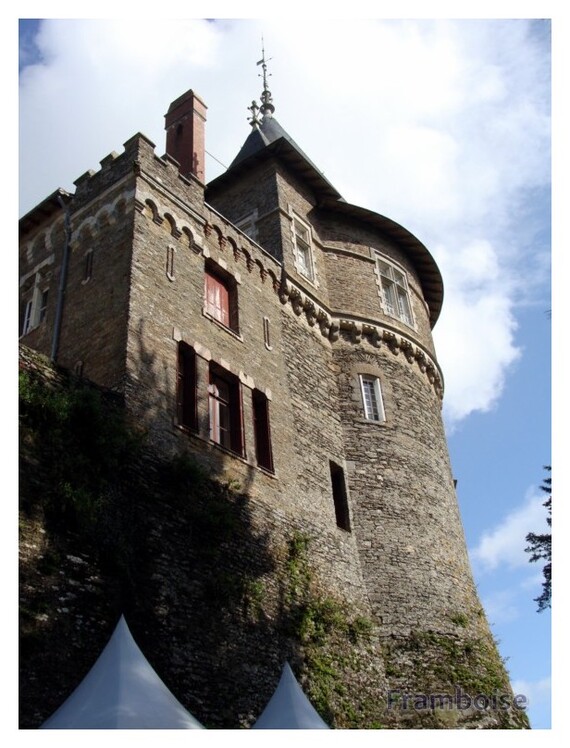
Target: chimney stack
{"x":185,"y":134}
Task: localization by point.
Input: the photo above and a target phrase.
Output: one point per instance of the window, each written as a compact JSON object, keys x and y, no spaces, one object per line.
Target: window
{"x":372,"y":398}
{"x":224,"y":396}
{"x":340,"y":498}
{"x":267,"y":334}
{"x":247,"y":224}
{"x":303,"y":252}
{"x":186,"y":387}
{"x":43,"y":306}
{"x":263,"y":452}
{"x":27,"y":317}
{"x":220,"y":298}
{"x":395,"y":296}
{"x":88,"y":266}
{"x":34,"y":309}
{"x":170,"y":262}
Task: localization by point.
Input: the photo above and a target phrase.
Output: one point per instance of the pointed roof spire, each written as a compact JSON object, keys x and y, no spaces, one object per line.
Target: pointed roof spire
{"x":267,"y":107}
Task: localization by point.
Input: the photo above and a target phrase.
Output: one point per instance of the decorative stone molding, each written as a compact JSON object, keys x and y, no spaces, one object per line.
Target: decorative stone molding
{"x":317,"y":317}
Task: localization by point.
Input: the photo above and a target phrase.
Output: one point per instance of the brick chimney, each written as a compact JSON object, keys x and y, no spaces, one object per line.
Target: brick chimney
{"x":185,"y":134}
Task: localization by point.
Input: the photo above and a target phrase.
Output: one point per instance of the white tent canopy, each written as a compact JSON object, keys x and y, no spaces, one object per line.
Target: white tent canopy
{"x":289,"y":708}
{"x":121,"y":691}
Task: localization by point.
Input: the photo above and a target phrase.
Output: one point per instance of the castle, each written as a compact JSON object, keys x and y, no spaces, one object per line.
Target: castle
{"x":282,"y":336}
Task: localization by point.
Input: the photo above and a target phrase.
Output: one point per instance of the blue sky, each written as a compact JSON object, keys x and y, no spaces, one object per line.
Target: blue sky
{"x":444,"y":126}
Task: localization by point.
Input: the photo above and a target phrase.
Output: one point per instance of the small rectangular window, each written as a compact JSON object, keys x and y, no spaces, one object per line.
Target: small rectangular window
{"x":43,"y":306}
{"x":88,"y":266}
{"x":303,"y":250}
{"x":220,"y":298}
{"x":187,"y":380}
{"x":340,"y":497}
{"x":263,"y":451}
{"x":170,"y":263}
{"x":247,"y":224}
{"x":372,"y":398}
{"x":267,"y":334}
{"x":225,"y":410}
{"x":27,"y":317}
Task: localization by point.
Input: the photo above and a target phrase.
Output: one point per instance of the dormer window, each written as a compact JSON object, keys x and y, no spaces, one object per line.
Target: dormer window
{"x":247,"y":224}
{"x":395,"y":294}
{"x":303,"y":248}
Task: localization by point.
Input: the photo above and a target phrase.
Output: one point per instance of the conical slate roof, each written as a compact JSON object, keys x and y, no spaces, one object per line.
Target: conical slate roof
{"x":289,"y":708}
{"x":121,"y":691}
{"x":263,"y":134}
{"x":268,"y":139}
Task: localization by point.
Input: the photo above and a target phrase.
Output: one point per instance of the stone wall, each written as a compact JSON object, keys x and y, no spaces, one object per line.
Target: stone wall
{"x":219,"y":588}
{"x":234,"y":558}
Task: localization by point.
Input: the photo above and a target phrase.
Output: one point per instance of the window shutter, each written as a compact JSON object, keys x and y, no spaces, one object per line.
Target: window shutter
{"x":186,"y":387}
{"x":236,"y":418}
{"x":262,"y":431}
{"x":217,"y":299}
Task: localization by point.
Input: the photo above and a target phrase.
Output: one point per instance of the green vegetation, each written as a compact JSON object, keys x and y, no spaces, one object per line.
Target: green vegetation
{"x":82,"y":452}
{"x":334,"y":643}
{"x":181,"y":548}
{"x":540,"y":548}
{"x":427,"y":662}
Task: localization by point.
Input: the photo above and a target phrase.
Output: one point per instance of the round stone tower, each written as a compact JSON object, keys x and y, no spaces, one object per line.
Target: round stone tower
{"x":375,"y":292}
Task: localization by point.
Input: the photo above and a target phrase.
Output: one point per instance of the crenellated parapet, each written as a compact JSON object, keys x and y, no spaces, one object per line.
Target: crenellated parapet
{"x":212,"y":233}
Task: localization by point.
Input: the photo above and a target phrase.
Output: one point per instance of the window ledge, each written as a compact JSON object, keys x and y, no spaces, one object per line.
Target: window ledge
{"x":312,"y":281}
{"x":371,"y":422}
{"x":266,"y":471}
{"x":236,"y":455}
{"x":221,"y":325}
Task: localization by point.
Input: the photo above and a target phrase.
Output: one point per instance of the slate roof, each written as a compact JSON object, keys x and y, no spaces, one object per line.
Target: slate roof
{"x":269,"y":139}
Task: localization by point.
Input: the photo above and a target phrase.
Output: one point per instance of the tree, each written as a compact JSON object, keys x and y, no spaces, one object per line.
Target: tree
{"x":541,"y":548}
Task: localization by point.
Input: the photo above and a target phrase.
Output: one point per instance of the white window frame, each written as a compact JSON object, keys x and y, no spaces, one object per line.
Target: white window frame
{"x":395,"y":293}
{"x":36,"y":307}
{"x":27,"y":326}
{"x":42,"y":304}
{"x":372,"y":402}
{"x":305,"y":266}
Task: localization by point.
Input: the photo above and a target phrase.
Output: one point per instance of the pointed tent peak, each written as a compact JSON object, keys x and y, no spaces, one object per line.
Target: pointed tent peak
{"x":121,"y":691}
{"x":289,"y":708}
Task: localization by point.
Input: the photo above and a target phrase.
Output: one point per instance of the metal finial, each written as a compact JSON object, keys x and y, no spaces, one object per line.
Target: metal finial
{"x":267,"y":107}
{"x":254,"y":109}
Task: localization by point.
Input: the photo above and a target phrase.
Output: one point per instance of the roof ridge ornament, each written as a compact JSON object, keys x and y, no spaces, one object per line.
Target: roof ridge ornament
{"x":267,"y":107}
{"x":254,"y":119}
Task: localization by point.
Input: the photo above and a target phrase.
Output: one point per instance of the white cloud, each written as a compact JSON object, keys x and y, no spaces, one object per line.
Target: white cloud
{"x":503,"y":545}
{"x":536,"y":691}
{"x":475,"y":338}
{"x":440,"y":125}
{"x":501,"y":606}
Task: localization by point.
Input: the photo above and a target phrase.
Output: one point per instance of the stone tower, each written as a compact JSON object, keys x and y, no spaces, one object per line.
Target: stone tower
{"x":282,"y":336}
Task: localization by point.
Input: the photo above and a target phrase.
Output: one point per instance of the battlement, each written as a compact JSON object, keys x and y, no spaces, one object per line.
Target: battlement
{"x":281,"y":338}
